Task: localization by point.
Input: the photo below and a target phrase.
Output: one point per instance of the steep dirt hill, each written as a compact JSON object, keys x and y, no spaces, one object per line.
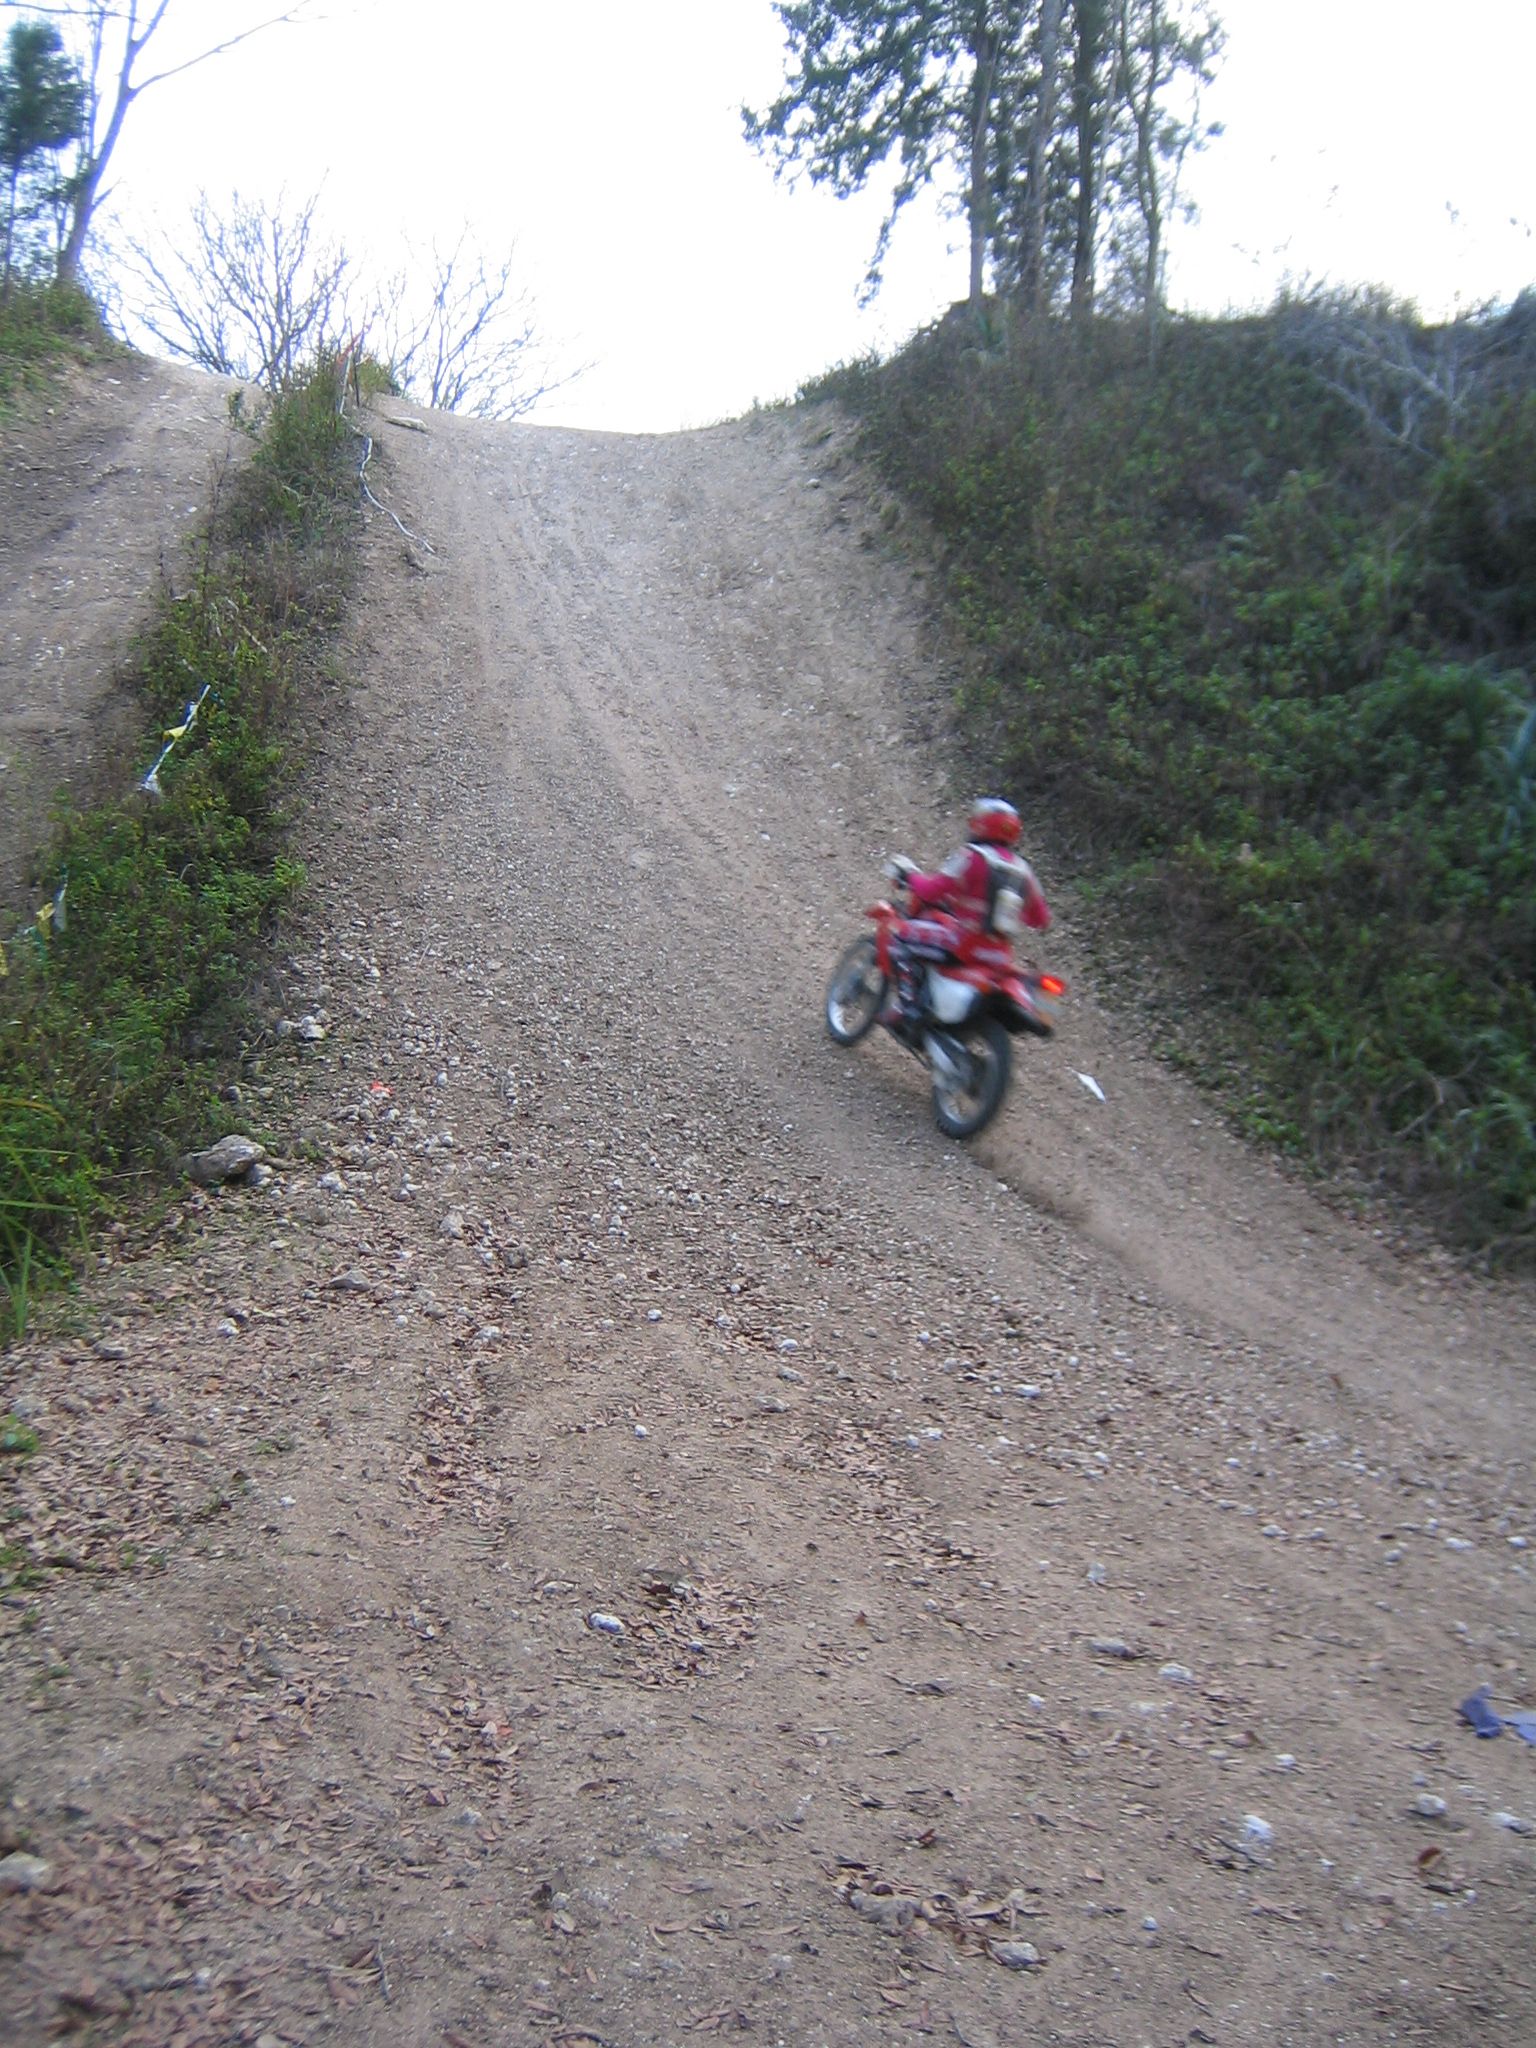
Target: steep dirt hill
{"x":104,"y":483}
{"x":1044,"y":1572}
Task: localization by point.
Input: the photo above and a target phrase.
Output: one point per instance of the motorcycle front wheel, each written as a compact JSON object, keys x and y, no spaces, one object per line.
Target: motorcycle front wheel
{"x":963,"y":1106}
{"x":855,"y":993}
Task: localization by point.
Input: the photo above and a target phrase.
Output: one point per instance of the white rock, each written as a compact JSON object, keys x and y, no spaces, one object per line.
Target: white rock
{"x":21,"y":1873}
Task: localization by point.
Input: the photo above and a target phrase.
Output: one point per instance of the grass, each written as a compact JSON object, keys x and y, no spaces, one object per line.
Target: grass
{"x":43,"y":328}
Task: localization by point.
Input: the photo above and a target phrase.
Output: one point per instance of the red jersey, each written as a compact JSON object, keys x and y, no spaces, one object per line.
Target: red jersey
{"x":968,"y":885}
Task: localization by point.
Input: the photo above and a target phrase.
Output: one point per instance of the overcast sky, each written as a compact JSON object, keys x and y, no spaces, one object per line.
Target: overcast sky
{"x":1365,"y":140}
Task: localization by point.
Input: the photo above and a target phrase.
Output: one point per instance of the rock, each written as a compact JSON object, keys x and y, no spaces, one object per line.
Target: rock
{"x":1113,"y":1646}
{"x":1016,"y":1955}
{"x":1428,"y":1807}
{"x":1512,"y":1821}
{"x":452,"y":1224}
{"x":607,"y":1624}
{"x":1176,"y":1674}
{"x":228,"y":1160}
{"x":891,"y":1915}
{"x":1257,"y":1831}
{"x":22,"y":1873}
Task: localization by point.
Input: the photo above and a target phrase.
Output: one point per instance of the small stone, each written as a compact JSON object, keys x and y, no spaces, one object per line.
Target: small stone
{"x":452,"y":1224}
{"x":22,"y":1873}
{"x":1272,"y":1529}
{"x":1112,"y":1646}
{"x":227,"y":1160}
{"x":1458,"y":1543}
{"x":1016,"y":1955}
{"x":1097,"y":1576}
{"x":1513,"y":1823}
{"x":1027,"y":1393}
{"x":653,"y":1315}
{"x":1176,"y":1674}
{"x":607,"y":1624}
{"x":890,"y":1915}
{"x":1428,"y":1807}
{"x":1257,"y":1830}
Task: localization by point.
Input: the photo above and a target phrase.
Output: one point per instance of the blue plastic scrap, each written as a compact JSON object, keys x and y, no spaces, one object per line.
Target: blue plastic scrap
{"x":1523,"y":1722}
{"x":1476,"y":1710}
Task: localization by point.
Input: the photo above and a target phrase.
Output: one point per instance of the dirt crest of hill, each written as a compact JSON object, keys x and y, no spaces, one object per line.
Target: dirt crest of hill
{"x":630,"y":1536}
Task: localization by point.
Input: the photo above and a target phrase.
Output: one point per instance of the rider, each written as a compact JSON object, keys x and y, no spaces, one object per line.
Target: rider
{"x":961,"y":900}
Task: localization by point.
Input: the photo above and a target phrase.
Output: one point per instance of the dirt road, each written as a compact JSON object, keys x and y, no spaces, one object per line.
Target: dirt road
{"x":1043,"y":1572}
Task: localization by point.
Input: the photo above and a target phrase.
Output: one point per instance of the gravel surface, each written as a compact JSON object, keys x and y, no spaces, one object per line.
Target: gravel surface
{"x":630,"y":1536}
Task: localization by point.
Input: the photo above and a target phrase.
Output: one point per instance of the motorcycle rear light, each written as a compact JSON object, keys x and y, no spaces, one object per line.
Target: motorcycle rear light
{"x":1052,"y":985}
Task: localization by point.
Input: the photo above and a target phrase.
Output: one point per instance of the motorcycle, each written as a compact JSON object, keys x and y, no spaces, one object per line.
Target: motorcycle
{"x":970,"y":1006}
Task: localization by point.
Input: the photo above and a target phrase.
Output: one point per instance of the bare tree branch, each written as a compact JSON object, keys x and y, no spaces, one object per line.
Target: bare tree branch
{"x":255,"y":293}
{"x":464,"y":343}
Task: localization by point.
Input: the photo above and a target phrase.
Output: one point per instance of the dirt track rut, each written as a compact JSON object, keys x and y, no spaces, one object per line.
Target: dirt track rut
{"x":593,"y":1281}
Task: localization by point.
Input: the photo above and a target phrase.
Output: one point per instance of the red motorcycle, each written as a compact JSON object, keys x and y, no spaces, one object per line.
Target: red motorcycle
{"x":971,"y":1004}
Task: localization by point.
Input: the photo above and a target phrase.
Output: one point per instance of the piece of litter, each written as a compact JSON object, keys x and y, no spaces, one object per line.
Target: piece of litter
{"x":1092,"y":1086}
{"x":1476,"y":1710}
{"x":1522,"y":1721}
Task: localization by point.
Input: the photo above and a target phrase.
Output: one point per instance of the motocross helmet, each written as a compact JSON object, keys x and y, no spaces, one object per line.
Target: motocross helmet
{"x":995,"y":821}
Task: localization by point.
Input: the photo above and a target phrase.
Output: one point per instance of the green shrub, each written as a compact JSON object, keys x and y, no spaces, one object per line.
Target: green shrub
{"x":122,"y":1008}
{"x":1263,"y":658}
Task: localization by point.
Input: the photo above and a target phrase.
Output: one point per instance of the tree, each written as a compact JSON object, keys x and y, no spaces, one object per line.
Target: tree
{"x":42,"y":108}
{"x":253,"y":292}
{"x":1057,"y":121}
{"x":114,"y":35}
{"x":465,"y":343}
{"x":916,"y":80}
{"x":1161,"y":53}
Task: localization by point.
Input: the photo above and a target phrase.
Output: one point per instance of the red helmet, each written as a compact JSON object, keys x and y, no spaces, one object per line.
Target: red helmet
{"x":993,"y":819}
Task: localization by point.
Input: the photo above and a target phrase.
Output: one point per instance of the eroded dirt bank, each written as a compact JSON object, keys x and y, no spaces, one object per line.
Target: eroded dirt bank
{"x":102,"y":486}
{"x":593,"y":1281}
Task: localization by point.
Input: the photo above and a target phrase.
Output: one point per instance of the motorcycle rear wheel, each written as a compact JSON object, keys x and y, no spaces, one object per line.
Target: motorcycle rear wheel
{"x":855,"y":993}
{"x":961,"y":1110}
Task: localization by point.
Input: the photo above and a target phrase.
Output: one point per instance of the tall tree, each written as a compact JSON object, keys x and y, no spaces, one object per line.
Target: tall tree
{"x":913,"y":80}
{"x":114,"y":36}
{"x":1166,"y":53}
{"x":42,"y":109}
{"x":1092,"y":81}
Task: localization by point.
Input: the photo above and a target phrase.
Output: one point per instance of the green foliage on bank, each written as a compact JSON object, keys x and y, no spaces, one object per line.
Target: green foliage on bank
{"x":125,"y":1000}
{"x":41,"y":328}
{"x":1254,"y":629}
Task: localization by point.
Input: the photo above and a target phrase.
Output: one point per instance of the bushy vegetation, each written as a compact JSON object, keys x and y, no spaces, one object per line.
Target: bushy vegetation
{"x":42,"y":326}
{"x":1253,"y":617}
{"x":124,"y":1001}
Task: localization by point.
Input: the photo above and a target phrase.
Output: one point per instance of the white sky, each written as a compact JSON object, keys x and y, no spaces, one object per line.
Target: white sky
{"x":1382,"y":141}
